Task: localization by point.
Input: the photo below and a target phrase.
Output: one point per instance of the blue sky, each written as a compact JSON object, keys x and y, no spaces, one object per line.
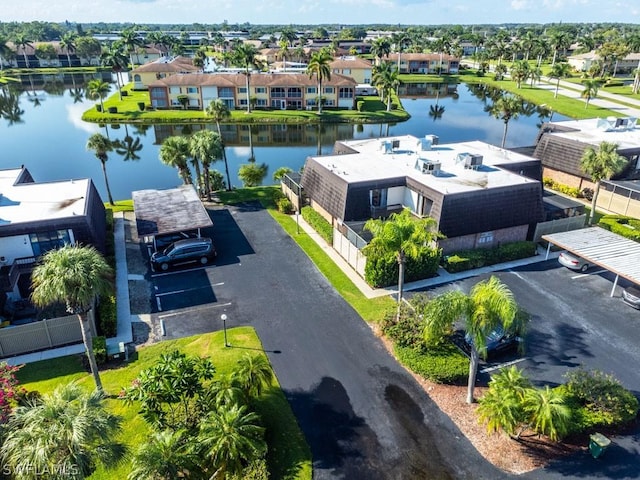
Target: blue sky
{"x":421,"y":12}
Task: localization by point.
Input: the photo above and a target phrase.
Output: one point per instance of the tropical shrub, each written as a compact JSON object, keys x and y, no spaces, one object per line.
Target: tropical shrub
{"x":100,"y":350}
{"x":480,"y":257}
{"x":360,"y":105}
{"x":108,"y":316}
{"x":628,"y":227}
{"x":442,"y":364}
{"x":405,"y":329}
{"x":559,"y":187}
{"x":381,"y":269}
{"x":318,"y":223}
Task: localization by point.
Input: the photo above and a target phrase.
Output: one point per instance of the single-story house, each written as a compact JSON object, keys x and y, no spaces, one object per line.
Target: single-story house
{"x":36,"y":217}
{"x":479,"y":195}
{"x":561,"y":145}
{"x":268,"y":90}
{"x":583,"y":61}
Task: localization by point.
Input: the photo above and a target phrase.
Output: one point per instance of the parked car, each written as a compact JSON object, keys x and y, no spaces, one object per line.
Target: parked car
{"x":163,"y":241}
{"x":498,"y":342}
{"x":631,"y":296}
{"x":573,"y":262}
{"x":190,"y":250}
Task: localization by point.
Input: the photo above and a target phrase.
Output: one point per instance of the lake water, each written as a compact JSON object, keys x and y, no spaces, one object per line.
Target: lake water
{"x":50,"y":137}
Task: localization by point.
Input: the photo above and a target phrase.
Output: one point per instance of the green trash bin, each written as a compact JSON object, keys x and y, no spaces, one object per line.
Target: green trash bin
{"x":598,"y":443}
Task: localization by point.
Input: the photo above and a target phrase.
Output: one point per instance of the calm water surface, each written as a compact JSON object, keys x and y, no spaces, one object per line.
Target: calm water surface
{"x":50,"y":137}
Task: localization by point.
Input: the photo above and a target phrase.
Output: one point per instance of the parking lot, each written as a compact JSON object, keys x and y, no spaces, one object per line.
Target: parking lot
{"x":574,"y":322}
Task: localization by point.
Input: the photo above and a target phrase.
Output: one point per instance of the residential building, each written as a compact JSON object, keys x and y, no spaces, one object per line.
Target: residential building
{"x":479,"y":195}
{"x":561,"y":145}
{"x":583,"y":62}
{"x":426,"y":63}
{"x":161,"y":67}
{"x":351,"y":66}
{"x":267,"y":90}
{"x":39,"y":216}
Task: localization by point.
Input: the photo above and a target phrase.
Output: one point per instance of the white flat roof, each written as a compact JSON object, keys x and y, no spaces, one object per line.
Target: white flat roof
{"x":372,"y":163}
{"x":28,"y":202}
{"x":589,"y":132}
{"x":603,"y":248}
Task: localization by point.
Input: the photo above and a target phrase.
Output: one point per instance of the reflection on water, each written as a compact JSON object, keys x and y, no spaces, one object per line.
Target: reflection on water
{"x":41,"y":127}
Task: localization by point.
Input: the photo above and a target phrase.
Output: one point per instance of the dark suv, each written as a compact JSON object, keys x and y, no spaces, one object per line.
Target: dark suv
{"x":184,"y":251}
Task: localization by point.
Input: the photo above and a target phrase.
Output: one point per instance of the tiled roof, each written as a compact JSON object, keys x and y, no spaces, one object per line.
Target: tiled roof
{"x":422,"y":56}
{"x":257,"y":79}
{"x":350,"y":62}
{"x":166,"y":65}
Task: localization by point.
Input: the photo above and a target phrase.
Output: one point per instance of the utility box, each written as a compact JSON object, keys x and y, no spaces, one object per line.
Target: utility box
{"x":598,"y":443}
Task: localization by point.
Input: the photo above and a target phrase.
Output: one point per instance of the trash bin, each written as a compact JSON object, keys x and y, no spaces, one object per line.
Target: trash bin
{"x":598,"y":443}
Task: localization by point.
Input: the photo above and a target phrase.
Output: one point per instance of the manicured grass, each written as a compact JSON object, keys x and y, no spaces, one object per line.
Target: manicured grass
{"x":430,"y":78}
{"x":129,"y":112}
{"x":120,"y":206}
{"x":289,"y":456}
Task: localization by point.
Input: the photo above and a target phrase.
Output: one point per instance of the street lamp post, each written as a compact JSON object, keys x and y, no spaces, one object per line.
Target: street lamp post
{"x":224,"y":327}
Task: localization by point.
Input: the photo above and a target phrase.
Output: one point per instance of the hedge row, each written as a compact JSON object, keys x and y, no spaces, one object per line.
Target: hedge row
{"x":470,"y":259}
{"x":382,"y":270}
{"x":445,"y":364}
{"x":318,"y":223}
{"x":108,"y":316}
{"x":559,"y":187}
{"x":626,"y":226}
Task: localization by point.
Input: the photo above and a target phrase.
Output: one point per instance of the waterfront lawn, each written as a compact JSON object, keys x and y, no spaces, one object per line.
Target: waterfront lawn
{"x":289,"y":455}
{"x":128,"y":111}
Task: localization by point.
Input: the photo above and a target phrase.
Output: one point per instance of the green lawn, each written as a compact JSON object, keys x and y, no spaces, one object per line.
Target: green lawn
{"x":289,"y":456}
{"x":128,"y":111}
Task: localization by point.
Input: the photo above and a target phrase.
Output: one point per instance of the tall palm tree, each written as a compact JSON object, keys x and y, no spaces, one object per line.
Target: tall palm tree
{"x":164,"y":456}
{"x":21,"y":40}
{"x":489,"y":305}
{"x":601,"y":164}
{"x":590,"y":90}
{"x":207,"y":146}
{"x":230,"y":438}
{"x":284,"y":53}
{"x":253,"y":374}
{"x":98,"y":89}
{"x":101,"y":146}
{"x":74,"y":275}
{"x":68,"y":433}
{"x":220,"y":111}
{"x":559,"y":40}
{"x":114,"y":57}
{"x":380,"y":47}
{"x":128,"y":148}
{"x":520,"y":72}
{"x":319,"y":66}
{"x":385,"y":78}
{"x":506,"y":108}
{"x":245,"y":56}
{"x":131,"y":41}
{"x":174,"y":152}
{"x":5,"y":51}
{"x":558,"y":71}
{"x":403,"y":235}
{"x":68,"y":42}
{"x":400,"y":41}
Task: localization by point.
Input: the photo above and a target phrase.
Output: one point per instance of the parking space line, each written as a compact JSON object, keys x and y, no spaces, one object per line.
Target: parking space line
{"x":587,"y":274}
{"x":191,"y":310}
{"x":158,"y":303}
{"x":164,"y":274}
{"x":174,"y":292}
{"x":502,"y":365}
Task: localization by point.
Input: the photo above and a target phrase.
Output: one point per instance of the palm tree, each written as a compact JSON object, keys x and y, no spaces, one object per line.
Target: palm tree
{"x":252,"y":174}
{"x":245,"y":55}
{"x":558,"y":71}
{"x":207,"y":146}
{"x":253,"y":374}
{"x":319,"y":66}
{"x":520,"y":72}
{"x":174,"y":152}
{"x":115,"y":57}
{"x":590,"y":90}
{"x":68,"y":42}
{"x":131,"y":40}
{"x":403,"y":235}
{"x":128,"y":148}
{"x":73,"y":275}
{"x":534,"y":75}
{"x":5,"y":51}
{"x":549,"y":415}
{"x":220,"y":111}
{"x":21,"y":40}
{"x":98,"y":89}
{"x":101,"y":147}
{"x":559,"y":40}
{"x":67,"y":431}
{"x":230,"y":438}
{"x":601,"y":164}
{"x":489,"y":305}
{"x":506,"y":108}
{"x":164,"y":456}
{"x":380,"y":47}
{"x":284,"y":53}
{"x":385,"y":78}
{"x":400,"y":41}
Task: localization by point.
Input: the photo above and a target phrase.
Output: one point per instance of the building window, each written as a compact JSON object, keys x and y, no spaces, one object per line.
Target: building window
{"x":192,"y":89}
{"x":136,"y":78}
{"x":226,"y":92}
{"x":42,"y":242}
{"x":346,"y":92}
{"x":328,"y":90}
{"x":175,"y":90}
{"x":278,"y":92}
{"x":261,"y":102}
{"x":294,"y":92}
{"x":242,"y":90}
{"x":261,"y":89}
{"x":311,"y":90}
{"x":485,"y":238}
{"x":378,"y":197}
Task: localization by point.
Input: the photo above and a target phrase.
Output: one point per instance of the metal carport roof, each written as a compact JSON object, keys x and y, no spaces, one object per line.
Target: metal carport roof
{"x":601,"y":247}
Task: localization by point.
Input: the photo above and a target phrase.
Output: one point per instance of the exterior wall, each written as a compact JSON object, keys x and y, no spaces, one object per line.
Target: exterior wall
{"x":18,"y":246}
{"x":318,"y":208}
{"x":566,"y":178}
{"x":360,"y":75}
{"x":470,"y":242}
{"x":410,"y":199}
{"x":396,"y":195}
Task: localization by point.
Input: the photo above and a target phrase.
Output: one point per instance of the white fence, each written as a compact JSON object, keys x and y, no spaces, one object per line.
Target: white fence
{"x":42,"y":335}
{"x":349,"y":252}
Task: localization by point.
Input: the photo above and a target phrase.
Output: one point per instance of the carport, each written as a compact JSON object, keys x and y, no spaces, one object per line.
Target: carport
{"x":159,"y":212}
{"x":601,"y":247}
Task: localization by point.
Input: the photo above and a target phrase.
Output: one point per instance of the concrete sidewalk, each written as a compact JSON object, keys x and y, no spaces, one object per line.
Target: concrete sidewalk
{"x":441,"y":278}
{"x":123,"y":313}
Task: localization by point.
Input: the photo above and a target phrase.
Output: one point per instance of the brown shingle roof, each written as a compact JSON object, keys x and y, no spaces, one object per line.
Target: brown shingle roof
{"x":350,"y":62}
{"x":164,"y":65}
{"x":258,"y":79}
